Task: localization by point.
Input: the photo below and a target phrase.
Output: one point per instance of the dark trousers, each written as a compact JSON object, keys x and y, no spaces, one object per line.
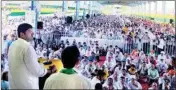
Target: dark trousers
{"x":146,"y":47}
{"x":159,"y":50}
{"x":38,"y":41}
{"x":154,"y":48}
{"x":42,"y":81}
{"x":152,"y":81}
{"x":129,"y":48}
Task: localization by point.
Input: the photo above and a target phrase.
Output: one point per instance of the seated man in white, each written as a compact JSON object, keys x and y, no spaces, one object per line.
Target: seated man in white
{"x":97,"y":79}
{"x":39,"y":52}
{"x":161,"y":56}
{"x":116,"y":79}
{"x":51,"y":55}
{"x":90,"y":68}
{"x":68,"y":78}
{"x":122,"y":84}
{"x":134,"y":84}
{"x":110,"y":84}
{"x":58,"y":53}
{"x":82,"y":51}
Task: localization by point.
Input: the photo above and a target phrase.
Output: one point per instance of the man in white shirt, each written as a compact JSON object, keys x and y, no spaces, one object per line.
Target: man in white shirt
{"x":24,"y":69}
{"x":134,"y":84}
{"x":126,"y":75}
{"x":39,"y":52}
{"x":161,"y":56}
{"x":82,"y":51}
{"x":110,"y":84}
{"x":68,"y":78}
{"x":161,"y":45}
{"x":146,"y":41}
{"x":97,"y":79}
{"x":98,"y":34}
{"x":162,"y":66}
{"x":104,"y":36}
{"x":51,"y":55}
{"x":116,"y":80}
{"x":90,"y":68}
{"x":44,"y":36}
{"x":4,"y":44}
{"x":122,"y":85}
{"x":109,"y":63}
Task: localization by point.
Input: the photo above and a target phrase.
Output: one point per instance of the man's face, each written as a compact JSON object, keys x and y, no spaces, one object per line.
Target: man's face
{"x":115,"y":77}
{"x":124,"y":72}
{"x":103,"y":67}
{"x":13,"y":37}
{"x":109,"y":59}
{"x":133,"y":81}
{"x":122,"y":80}
{"x":153,"y":66}
{"x":162,"y":54}
{"x":101,"y":78}
{"x":110,"y":81}
{"x":29,"y":35}
{"x":144,"y":64}
{"x":5,"y":37}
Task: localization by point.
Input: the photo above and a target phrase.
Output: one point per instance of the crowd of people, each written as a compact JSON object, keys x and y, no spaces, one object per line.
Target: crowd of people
{"x":146,"y":58}
{"x":145,"y":36}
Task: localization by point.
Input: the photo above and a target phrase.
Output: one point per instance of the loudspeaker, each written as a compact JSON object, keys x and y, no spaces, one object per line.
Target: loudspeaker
{"x":171,"y":21}
{"x":39,"y":25}
{"x":87,"y":16}
{"x":151,"y":18}
{"x":69,"y":20}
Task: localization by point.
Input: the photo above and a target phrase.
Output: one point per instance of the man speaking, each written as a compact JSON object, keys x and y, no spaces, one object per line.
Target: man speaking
{"x":24,"y":69}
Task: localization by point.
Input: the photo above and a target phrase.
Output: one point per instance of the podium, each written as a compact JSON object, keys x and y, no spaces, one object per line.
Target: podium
{"x":56,"y":62}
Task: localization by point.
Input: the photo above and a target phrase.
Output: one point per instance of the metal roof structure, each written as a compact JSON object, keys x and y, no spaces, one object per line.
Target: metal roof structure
{"x":125,"y":3}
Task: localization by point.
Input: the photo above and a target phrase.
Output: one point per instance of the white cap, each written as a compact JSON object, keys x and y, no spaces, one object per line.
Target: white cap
{"x":162,"y":52}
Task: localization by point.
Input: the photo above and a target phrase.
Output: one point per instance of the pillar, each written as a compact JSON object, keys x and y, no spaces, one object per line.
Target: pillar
{"x":145,"y":9}
{"x":77,"y":9}
{"x":32,"y":5}
{"x":149,"y":9}
{"x":156,"y":7}
{"x":35,"y":7}
{"x":138,"y":10}
{"x":89,"y":7}
{"x":84,"y":12}
{"x":164,"y":9}
{"x":35,"y":18}
{"x":64,"y":6}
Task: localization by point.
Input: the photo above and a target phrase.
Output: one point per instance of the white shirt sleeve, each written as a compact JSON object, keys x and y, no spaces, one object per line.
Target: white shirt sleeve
{"x":31,"y":62}
{"x":139,"y":86}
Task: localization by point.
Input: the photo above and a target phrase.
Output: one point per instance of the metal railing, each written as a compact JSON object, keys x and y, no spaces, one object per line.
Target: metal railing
{"x":128,"y":47}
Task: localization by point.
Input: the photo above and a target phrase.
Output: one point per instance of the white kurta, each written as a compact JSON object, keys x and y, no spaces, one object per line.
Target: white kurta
{"x":64,"y":81}
{"x":24,"y":68}
{"x":94,"y":81}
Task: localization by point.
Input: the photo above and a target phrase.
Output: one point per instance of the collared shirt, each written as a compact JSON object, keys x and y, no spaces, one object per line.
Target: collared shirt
{"x":153,"y":74}
{"x":161,"y":44}
{"x":65,"y":81}
{"x":24,"y":68}
{"x":122,"y":86}
{"x":131,"y":86}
